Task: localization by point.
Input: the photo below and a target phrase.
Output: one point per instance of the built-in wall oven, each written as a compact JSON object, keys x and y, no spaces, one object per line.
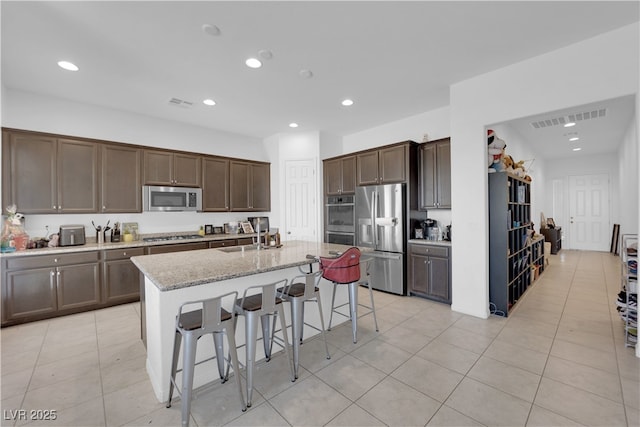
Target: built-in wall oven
{"x":340,"y":220}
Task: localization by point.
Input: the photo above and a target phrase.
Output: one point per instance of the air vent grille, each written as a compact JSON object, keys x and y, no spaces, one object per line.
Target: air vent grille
{"x":176,"y":102}
{"x":576,"y":117}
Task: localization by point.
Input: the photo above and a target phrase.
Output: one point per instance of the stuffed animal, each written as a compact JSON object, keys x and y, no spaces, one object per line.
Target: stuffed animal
{"x":495,"y":151}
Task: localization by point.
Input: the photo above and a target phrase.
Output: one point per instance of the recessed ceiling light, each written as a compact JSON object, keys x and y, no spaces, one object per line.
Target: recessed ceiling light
{"x":68,"y":65}
{"x":347,"y":102}
{"x":577,"y":149}
{"x":265,"y":54}
{"x":253,"y":63}
{"x":568,"y":125}
{"x":293,"y":125}
{"x":305,"y":74}
{"x":211,"y":30}
{"x":575,"y":138}
{"x":209,"y":102}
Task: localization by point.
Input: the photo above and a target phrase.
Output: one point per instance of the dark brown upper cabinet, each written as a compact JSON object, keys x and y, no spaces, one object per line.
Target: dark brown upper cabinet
{"x":120,"y":179}
{"x":382,"y":166}
{"x":435,"y":175}
{"x":171,"y":168}
{"x":44,"y":174}
{"x":249,"y":186}
{"x":215,"y":184}
{"x":340,"y":176}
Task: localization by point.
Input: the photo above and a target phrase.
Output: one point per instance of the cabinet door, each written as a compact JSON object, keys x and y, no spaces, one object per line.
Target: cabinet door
{"x":427,"y":176}
{"x":260,"y":188}
{"x":29,"y":293}
{"x":158,"y":168}
{"x":186,"y":170}
{"x":438,"y":280}
{"x":443,"y":170}
{"x":348,"y":175}
{"x":333,"y":177}
{"x":419,"y":274}
{"x":77,"y":176}
{"x":163,"y":249}
{"x":239,"y":186}
{"x":120,"y":281}
{"x":29,"y":173}
{"x":215,"y":184}
{"x":120,"y":179}
{"x":367,"y":168}
{"x":78,"y":286}
{"x":392,"y":165}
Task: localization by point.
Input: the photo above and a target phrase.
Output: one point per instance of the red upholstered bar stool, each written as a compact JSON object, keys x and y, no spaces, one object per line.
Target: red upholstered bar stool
{"x":210,"y":318}
{"x":346,"y":270}
{"x":261,"y":306}
{"x":302,"y":289}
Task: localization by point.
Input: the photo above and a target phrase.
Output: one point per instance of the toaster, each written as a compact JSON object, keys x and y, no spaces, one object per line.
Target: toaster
{"x":71,"y":235}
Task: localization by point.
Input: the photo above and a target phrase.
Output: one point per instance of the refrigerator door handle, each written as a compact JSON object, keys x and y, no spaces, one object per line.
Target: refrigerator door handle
{"x":387,"y":222}
{"x":374,"y":226}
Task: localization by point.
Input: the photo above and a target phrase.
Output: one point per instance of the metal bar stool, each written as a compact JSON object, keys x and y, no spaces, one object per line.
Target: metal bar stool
{"x":210,"y":318}
{"x":301,"y":289}
{"x":261,"y":305}
{"x":348,"y":269}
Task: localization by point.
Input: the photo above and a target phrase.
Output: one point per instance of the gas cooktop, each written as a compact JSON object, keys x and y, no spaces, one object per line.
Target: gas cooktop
{"x":176,"y":237}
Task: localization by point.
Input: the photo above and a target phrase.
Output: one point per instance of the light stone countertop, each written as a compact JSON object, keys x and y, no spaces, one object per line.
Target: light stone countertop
{"x":431,"y":242}
{"x":92,"y":245}
{"x":191,"y":268}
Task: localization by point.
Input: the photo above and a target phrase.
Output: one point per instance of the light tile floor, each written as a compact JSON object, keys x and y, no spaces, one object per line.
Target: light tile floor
{"x":558,"y":360}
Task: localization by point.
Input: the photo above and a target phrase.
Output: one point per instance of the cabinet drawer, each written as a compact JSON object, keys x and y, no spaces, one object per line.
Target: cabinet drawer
{"x":124,"y":253}
{"x":222,"y":243}
{"x":438,"y":251}
{"x":246,"y":241}
{"x":163,"y":249}
{"x":51,"y":260}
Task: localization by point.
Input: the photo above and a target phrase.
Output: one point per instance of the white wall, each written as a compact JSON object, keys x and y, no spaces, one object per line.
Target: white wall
{"x":600,"y":68}
{"x":23,"y":110}
{"x":627,"y":173}
{"x":435,"y":124}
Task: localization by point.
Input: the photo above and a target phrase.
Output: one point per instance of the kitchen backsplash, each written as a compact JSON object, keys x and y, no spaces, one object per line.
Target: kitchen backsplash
{"x":148,"y":222}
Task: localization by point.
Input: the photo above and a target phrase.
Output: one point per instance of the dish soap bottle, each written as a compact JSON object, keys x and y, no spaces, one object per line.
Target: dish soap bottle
{"x":201,"y":231}
{"x":278,"y":239}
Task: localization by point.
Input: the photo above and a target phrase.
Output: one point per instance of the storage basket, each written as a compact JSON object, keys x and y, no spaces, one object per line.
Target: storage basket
{"x":343,"y":269}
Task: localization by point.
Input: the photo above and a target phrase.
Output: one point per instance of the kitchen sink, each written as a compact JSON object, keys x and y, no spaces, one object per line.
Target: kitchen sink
{"x":239,"y":248}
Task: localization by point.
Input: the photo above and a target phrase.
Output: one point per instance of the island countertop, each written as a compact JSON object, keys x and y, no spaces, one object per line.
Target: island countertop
{"x":183,"y":269}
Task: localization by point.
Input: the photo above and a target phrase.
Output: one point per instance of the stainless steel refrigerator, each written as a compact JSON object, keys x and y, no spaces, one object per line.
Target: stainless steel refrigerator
{"x":380,"y":215}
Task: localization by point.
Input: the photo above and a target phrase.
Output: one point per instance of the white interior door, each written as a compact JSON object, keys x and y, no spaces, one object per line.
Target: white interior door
{"x":301,"y":207}
{"x":589,"y":212}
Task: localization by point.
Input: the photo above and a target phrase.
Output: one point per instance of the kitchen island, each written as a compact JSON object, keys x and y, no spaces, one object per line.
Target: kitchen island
{"x":175,"y":278}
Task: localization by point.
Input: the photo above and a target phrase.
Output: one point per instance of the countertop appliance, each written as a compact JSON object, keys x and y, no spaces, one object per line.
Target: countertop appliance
{"x":71,"y":235}
{"x":172,"y":199}
{"x":380,"y":216}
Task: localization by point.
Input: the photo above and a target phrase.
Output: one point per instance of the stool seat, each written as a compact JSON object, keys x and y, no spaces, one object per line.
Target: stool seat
{"x":193,"y":319}
{"x":295,"y":290}
{"x":254,"y":302}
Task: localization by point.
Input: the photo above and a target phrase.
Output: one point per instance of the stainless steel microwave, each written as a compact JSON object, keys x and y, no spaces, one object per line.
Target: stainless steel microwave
{"x":171,"y":199}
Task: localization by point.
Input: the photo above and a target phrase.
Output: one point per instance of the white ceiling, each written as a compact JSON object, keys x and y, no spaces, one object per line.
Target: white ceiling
{"x":394,"y":59}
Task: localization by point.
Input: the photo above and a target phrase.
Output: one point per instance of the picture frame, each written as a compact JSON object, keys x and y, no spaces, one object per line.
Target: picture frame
{"x":247,"y":228}
{"x":418,"y":233}
{"x":231,"y":228}
{"x":218,"y":230}
{"x":208,"y":229}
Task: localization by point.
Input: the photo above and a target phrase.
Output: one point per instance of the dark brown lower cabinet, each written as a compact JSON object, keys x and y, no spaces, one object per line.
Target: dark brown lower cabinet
{"x":430,"y":272}
{"x":38,"y":287}
{"x":120,"y":277}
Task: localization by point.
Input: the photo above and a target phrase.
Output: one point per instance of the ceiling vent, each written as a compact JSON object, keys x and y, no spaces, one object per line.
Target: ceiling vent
{"x":576,"y":117}
{"x":176,"y":102}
